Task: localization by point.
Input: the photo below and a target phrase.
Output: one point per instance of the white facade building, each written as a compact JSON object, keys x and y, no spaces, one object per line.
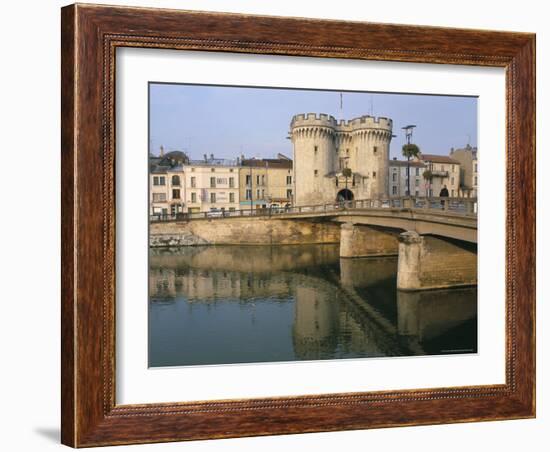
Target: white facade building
{"x":212,"y":185}
{"x":397,"y":180}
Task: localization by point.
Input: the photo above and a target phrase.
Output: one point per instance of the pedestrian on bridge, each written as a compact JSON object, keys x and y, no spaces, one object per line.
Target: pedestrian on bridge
{"x":444,"y":193}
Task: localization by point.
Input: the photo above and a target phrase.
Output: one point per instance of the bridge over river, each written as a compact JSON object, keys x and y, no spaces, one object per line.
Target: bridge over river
{"x":435,"y":238}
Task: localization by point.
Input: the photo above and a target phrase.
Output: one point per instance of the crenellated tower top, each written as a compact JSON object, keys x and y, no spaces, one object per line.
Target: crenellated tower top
{"x":312,"y":121}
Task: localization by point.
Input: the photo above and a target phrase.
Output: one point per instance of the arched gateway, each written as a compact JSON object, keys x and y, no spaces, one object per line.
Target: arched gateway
{"x":344,"y":195}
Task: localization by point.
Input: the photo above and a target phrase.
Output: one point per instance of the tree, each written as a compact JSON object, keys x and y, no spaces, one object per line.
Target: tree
{"x":410,"y":150}
{"x":428,"y":176}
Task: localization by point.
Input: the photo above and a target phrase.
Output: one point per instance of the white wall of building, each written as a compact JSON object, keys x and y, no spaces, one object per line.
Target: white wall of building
{"x":211,"y":187}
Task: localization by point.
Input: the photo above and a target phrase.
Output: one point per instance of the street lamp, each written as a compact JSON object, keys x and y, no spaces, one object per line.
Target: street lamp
{"x":408,"y":134}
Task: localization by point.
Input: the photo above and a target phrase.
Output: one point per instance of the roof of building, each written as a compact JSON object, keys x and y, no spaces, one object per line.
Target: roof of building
{"x":159,"y":163}
{"x":158,"y":170}
{"x":413,"y":163}
{"x":212,"y":161}
{"x":284,"y":163}
{"x":438,"y":159}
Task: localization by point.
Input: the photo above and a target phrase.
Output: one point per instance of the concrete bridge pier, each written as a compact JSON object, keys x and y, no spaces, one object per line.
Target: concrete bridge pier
{"x":427,"y":262}
{"x":364,"y":241}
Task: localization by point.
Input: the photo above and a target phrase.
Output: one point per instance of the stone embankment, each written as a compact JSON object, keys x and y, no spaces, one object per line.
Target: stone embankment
{"x":242,"y":231}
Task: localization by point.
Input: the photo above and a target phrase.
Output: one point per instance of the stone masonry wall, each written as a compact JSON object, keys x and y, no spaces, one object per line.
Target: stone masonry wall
{"x":242,"y":231}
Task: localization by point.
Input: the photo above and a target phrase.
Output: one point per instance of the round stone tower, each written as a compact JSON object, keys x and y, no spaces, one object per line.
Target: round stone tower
{"x":313,"y":138}
{"x":371,"y":139}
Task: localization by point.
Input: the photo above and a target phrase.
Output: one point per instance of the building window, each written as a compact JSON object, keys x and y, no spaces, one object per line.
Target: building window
{"x":315,"y":149}
{"x":193,"y":182}
{"x":375,"y":149}
{"x":258,"y":193}
{"x":475,"y":180}
{"x":353,"y":181}
{"x":416,"y":182}
{"x":475,"y":167}
{"x":442,"y":168}
{"x":288,"y":180}
{"x":248,"y":194}
{"x":416,"y":193}
{"x":231,"y":182}
{"x":315,"y":173}
{"x":159,"y":197}
{"x":212,"y":170}
{"x":257,"y":179}
{"x":248,"y":179}
{"x":263,"y":193}
{"x":263,"y":179}
{"x":192,"y":170}
{"x":193,"y":197}
{"x":159,"y":180}
{"x":176,"y":181}
{"x":231,"y":197}
{"x":347,"y":151}
{"x":417,"y":171}
{"x":452,"y":168}
{"x":452,"y":193}
{"x":212,"y":182}
{"x":394,"y":190}
{"x":212,"y":198}
{"x":374,"y":174}
{"x":452,"y":180}
{"x":289,"y":194}
{"x":230,"y":170}
{"x":394,"y":177}
{"x":343,"y":163}
{"x":176,"y":193}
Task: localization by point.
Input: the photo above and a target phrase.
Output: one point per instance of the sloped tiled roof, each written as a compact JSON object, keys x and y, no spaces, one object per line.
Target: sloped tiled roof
{"x":438,"y":159}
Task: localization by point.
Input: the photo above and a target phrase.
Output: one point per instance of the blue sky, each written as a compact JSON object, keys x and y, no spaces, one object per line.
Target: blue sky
{"x":228,"y":121}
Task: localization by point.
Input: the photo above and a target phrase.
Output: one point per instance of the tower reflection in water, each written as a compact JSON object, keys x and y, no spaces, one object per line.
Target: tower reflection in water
{"x":220,"y":305}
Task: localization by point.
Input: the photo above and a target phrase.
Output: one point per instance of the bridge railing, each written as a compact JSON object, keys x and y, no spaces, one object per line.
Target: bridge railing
{"x":463,"y":206}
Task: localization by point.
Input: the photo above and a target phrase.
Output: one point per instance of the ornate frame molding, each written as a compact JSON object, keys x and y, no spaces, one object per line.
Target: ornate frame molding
{"x":90,"y":37}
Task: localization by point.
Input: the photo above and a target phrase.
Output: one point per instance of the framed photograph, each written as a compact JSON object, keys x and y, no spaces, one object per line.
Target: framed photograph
{"x":281,"y":225}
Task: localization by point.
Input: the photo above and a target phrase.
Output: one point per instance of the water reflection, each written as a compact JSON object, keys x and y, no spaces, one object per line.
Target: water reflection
{"x":232,"y":304}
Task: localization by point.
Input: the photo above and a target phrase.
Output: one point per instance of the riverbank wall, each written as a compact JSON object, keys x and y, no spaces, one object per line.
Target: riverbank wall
{"x":242,"y":231}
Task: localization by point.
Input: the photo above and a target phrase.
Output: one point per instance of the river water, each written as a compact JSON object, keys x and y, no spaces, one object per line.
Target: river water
{"x":247,"y":304}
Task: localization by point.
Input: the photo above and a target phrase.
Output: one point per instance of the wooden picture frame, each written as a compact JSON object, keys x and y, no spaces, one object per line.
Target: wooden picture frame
{"x":90,"y":36}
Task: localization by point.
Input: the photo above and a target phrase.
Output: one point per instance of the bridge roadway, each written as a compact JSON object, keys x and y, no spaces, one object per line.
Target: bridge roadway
{"x":454,"y":218}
